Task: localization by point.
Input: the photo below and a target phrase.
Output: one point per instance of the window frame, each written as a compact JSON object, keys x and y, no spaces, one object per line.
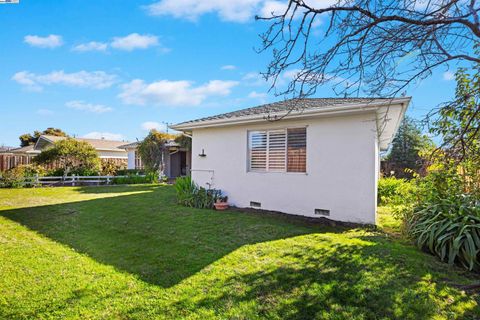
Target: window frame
{"x":267,"y":131}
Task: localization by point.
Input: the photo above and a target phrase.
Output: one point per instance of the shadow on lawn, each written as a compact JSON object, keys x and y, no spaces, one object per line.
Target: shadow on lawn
{"x":148,"y":234}
{"x":366,"y":281}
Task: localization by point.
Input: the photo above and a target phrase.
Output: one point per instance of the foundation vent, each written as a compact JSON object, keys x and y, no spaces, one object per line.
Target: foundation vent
{"x":255,"y":204}
{"x":322,"y":212}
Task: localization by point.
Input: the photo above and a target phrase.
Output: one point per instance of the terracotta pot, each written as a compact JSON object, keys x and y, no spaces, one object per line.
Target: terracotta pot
{"x":221,"y":205}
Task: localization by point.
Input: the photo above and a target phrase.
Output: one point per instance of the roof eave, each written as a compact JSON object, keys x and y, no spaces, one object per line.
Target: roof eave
{"x":324,"y":111}
{"x":384,"y":145}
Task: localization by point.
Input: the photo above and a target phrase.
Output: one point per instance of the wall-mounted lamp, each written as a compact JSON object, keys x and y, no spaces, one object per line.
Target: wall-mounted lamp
{"x":202,"y":154}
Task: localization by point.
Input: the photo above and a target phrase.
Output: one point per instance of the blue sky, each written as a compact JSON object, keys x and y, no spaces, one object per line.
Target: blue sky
{"x":101,"y":68}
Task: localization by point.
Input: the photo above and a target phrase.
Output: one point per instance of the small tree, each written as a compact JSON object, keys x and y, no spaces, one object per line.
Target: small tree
{"x":29,"y":139}
{"x":404,"y":156}
{"x":458,"y":121}
{"x":151,"y":151}
{"x":72,"y":156}
{"x":184,"y":141}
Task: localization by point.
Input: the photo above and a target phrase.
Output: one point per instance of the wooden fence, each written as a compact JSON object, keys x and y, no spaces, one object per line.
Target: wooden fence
{"x":9,"y":161}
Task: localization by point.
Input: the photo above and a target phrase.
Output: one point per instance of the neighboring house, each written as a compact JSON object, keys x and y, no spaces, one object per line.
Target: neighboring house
{"x":108,"y":150}
{"x":16,"y":156}
{"x":176,"y":159}
{"x":319,"y":158}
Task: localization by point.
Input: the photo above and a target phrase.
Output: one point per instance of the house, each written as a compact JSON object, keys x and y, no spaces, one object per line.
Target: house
{"x":176,"y":158}
{"x":108,"y":150}
{"x":13,"y":157}
{"x":310,"y":157}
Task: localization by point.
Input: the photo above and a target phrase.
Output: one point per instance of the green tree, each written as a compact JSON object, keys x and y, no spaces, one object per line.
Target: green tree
{"x":151,"y":151}
{"x":29,"y":139}
{"x":458,"y":122}
{"x":72,"y":156}
{"x":184,"y":141}
{"x":405,"y":156}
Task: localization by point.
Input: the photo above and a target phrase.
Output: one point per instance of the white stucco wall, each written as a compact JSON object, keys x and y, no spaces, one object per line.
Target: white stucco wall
{"x":342,"y":168}
{"x":131,"y":159}
{"x":112,"y":154}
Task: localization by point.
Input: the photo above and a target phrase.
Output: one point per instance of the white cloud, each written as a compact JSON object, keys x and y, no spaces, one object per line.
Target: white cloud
{"x":89,"y":107}
{"x":291,"y":74}
{"x":173,"y":93}
{"x":44,"y":112}
{"x":273,"y":8}
{"x":254,"y":79}
{"x":134,"y":41}
{"x":104,"y":135}
{"x":227,"y":10}
{"x":150,"y":125}
{"x":50,"y":41}
{"x":90,"y":46}
{"x":94,"y":79}
{"x":257,"y":95}
{"x":448,"y":76}
{"x":236,"y":11}
{"x":228,"y":67}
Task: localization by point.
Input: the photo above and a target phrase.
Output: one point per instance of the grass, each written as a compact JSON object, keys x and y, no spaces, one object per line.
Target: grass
{"x":129,"y":252}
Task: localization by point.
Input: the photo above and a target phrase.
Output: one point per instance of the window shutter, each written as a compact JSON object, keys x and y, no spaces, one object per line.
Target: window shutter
{"x":258,"y":150}
{"x":277,"y":141}
{"x":297,"y":150}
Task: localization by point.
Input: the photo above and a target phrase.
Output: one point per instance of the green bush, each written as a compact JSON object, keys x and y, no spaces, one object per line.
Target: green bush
{"x":450,"y":229}
{"x":21,"y":176}
{"x":390,"y":189}
{"x":443,"y":217}
{"x":395,"y":192}
{"x":190,"y":194}
{"x":125,"y":172}
{"x":135,"y":179}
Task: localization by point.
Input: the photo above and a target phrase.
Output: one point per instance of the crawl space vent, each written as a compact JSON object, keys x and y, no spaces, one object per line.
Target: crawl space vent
{"x":322,"y":212}
{"x":255,"y":204}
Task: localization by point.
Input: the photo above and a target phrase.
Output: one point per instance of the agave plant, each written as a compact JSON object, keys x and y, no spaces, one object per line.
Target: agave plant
{"x":190,"y":194}
{"x":450,"y":229}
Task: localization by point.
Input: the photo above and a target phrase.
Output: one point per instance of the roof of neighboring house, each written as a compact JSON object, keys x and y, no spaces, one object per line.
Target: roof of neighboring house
{"x":134,"y":145}
{"x":27,"y":149}
{"x":312,"y":107}
{"x":98,"y":144}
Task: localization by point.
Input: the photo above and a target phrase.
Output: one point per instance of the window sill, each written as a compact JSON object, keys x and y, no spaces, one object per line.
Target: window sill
{"x":278,"y":172}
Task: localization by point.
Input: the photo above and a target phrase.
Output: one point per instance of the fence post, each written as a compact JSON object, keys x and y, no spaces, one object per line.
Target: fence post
{"x":108,"y":179}
{"x":73,"y":180}
{"x":36,"y":179}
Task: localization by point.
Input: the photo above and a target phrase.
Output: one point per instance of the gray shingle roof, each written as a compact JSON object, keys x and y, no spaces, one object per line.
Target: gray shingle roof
{"x":285,"y":106}
{"x":101,"y":144}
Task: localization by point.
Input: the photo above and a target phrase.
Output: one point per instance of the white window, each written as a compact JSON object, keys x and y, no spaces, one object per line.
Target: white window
{"x":283,"y":150}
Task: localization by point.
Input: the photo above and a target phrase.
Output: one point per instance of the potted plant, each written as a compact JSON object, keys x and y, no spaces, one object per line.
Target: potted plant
{"x":221,"y":203}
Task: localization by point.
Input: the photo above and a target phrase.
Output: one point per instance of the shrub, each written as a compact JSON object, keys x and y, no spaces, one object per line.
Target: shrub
{"x":190,"y":194}
{"x":110,"y":167}
{"x":12,"y":178}
{"x":450,"y":229}
{"x":73,"y":156}
{"x":389,"y":189}
{"x":135,"y":179}
{"x":125,"y":172}
{"x":444,"y":218}
{"x":185,"y":189}
{"x":16,"y":177}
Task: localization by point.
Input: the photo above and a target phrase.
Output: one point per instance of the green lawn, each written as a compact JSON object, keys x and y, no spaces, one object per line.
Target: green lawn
{"x":132,"y":253}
